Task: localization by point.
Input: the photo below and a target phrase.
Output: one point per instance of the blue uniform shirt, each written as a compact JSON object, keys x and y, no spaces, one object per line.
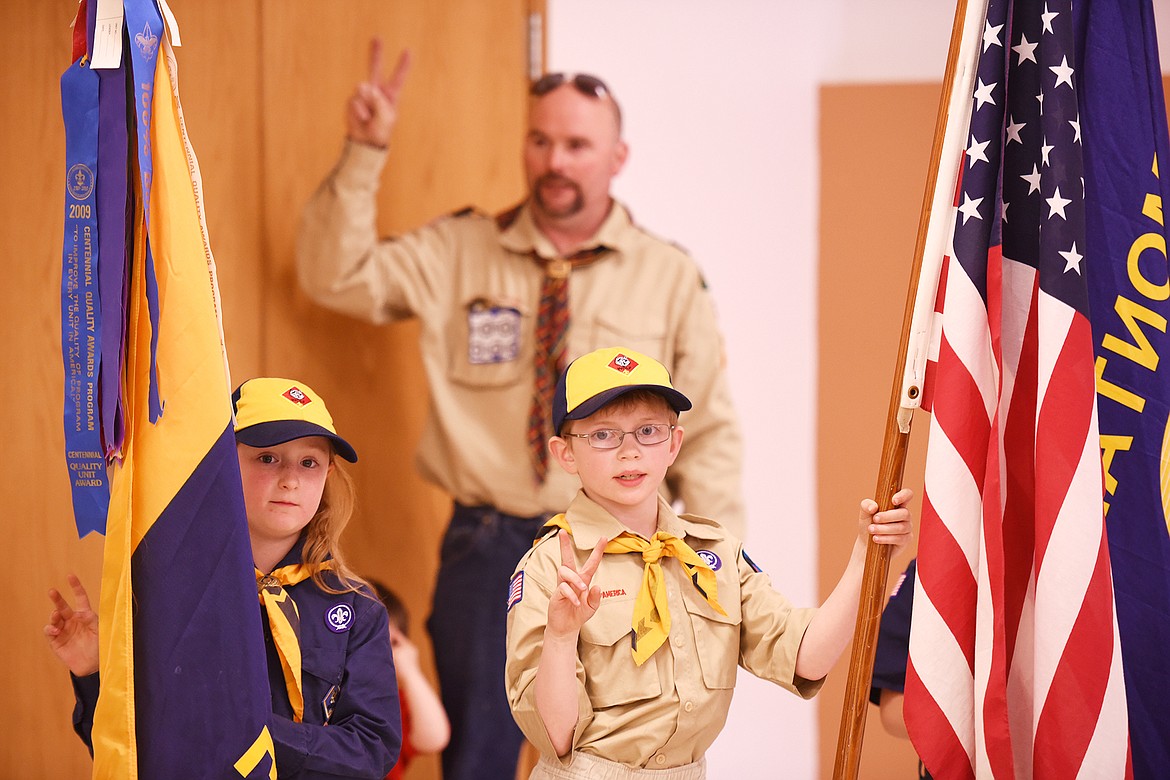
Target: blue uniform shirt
{"x":893,"y":644}
{"x":352,"y":726}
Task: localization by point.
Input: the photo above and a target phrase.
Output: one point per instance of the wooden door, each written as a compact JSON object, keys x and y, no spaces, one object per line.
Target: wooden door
{"x":462,"y":118}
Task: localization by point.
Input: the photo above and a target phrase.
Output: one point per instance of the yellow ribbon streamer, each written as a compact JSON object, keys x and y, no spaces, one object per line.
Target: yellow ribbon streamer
{"x":284,"y":619}
{"x":651,"y":620}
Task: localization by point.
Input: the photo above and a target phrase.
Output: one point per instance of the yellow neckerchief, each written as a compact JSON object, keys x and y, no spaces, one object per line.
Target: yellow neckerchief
{"x":285,"y":621}
{"x":651,"y":620}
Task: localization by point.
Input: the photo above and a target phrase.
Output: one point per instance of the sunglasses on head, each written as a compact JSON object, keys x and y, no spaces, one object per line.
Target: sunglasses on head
{"x":582,"y":82}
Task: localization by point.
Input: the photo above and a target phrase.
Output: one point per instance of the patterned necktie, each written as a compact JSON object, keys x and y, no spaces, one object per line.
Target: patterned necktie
{"x":285,"y":622}
{"x":552,"y":326}
{"x":651,"y":621}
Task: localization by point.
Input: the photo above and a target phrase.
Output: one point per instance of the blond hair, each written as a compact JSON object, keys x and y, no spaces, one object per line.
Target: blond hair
{"x":323,"y":533}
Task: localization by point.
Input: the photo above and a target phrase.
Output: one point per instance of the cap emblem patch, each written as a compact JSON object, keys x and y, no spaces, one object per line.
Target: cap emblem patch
{"x":297,"y":396}
{"x":623,"y":364}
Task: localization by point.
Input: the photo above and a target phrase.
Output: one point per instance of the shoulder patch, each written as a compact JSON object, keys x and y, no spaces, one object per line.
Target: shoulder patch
{"x":709,"y":557}
{"x":515,"y":589}
{"x":750,"y":562}
{"x":339,"y":617}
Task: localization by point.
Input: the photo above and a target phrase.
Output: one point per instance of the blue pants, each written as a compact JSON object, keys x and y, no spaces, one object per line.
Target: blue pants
{"x":467,"y":626}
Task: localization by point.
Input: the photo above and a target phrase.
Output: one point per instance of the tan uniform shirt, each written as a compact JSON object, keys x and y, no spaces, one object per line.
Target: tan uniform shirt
{"x":475,"y":288}
{"x":668,"y":711}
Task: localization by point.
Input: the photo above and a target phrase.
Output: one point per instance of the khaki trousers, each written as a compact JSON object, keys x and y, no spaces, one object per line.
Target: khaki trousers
{"x":588,"y":767}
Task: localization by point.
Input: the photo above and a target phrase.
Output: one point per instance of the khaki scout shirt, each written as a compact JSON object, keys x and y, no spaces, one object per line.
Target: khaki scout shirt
{"x":475,"y":289}
{"x":668,"y":711}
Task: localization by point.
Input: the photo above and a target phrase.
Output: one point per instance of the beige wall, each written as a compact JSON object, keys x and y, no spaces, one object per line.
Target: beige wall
{"x":870,"y":202}
{"x":263,"y":85}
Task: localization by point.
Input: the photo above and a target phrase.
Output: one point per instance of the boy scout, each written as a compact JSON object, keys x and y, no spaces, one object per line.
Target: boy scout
{"x":492,"y":297}
{"x":624,"y":633}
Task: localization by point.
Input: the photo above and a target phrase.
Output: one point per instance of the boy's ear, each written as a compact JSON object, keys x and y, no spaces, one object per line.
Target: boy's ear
{"x":563,"y":454}
{"x":676,"y":438}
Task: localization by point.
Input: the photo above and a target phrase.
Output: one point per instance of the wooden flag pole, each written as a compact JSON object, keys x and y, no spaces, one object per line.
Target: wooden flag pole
{"x":891,"y":467}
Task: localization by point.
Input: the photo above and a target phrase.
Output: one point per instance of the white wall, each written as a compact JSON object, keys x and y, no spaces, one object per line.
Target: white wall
{"x":720,"y":100}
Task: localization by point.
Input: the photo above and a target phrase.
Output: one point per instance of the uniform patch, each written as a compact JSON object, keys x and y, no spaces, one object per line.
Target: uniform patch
{"x":297,"y":396}
{"x":609,"y":594}
{"x":711,"y":559}
{"x":750,"y":562}
{"x":493,"y":334}
{"x":328,"y":703}
{"x":515,"y":589}
{"x":623,"y":363}
{"x":339,"y":617}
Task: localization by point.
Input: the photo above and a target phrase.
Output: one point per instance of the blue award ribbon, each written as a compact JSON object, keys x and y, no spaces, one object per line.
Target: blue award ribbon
{"x":81,"y":303}
{"x":145,"y":28}
{"x":114,"y":211}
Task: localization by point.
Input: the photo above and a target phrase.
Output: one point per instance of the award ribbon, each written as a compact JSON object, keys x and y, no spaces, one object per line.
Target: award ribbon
{"x":80,"y":301}
{"x":113,"y":215}
{"x":143,"y":24}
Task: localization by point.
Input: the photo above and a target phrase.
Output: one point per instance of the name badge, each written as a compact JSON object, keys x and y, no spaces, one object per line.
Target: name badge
{"x":493,"y":334}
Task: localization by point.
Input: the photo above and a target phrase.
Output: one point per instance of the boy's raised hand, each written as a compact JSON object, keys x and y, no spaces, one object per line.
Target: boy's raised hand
{"x":73,"y":633}
{"x":893,"y":526}
{"x":372,"y":110}
{"x":575,"y":599}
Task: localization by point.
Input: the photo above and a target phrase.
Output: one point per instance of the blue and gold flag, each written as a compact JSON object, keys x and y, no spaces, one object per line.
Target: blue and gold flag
{"x":1122,"y":125}
{"x":184,"y":689}
{"x":1123,"y":129}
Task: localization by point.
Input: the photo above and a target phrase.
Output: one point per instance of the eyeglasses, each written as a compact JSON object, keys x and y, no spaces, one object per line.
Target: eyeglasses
{"x":582,"y":82}
{"x":611,"y":438}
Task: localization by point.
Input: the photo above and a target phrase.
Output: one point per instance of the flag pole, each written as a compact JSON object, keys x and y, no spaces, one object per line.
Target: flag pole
{"x":893,"y":458}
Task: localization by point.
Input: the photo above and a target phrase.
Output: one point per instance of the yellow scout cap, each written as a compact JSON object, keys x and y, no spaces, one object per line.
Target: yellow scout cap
{"x":271,"y":410}
{"x":593,"y":380}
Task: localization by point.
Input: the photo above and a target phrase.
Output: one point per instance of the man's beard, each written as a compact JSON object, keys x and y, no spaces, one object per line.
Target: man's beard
{"x":575,"y":207}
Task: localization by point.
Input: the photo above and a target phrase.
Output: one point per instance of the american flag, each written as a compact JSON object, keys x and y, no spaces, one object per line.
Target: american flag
{"x":1015,"y":665}
{"x":515,"y":589}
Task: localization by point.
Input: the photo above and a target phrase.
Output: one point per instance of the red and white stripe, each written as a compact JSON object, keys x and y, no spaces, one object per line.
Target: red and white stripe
{"x":1015,"y":665}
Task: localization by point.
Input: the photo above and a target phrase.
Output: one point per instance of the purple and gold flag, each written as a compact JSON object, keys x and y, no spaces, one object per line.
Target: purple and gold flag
{"x":184,"y":689}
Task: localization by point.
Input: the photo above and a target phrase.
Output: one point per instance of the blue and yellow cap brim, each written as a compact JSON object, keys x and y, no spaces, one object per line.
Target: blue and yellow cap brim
{"x":273,"y":410}
{"x":604,"y":375}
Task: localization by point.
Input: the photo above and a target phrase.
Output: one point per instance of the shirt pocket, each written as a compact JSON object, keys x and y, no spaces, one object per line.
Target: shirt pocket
{"x":611,"y":676}
{"x":716,"y":640}
{"x":632,"y":329}
{"x":322,"y":674}
{"x":489,"y":341}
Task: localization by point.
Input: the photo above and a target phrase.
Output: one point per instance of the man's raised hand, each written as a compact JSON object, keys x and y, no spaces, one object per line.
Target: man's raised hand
{"x":372,"y":110}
